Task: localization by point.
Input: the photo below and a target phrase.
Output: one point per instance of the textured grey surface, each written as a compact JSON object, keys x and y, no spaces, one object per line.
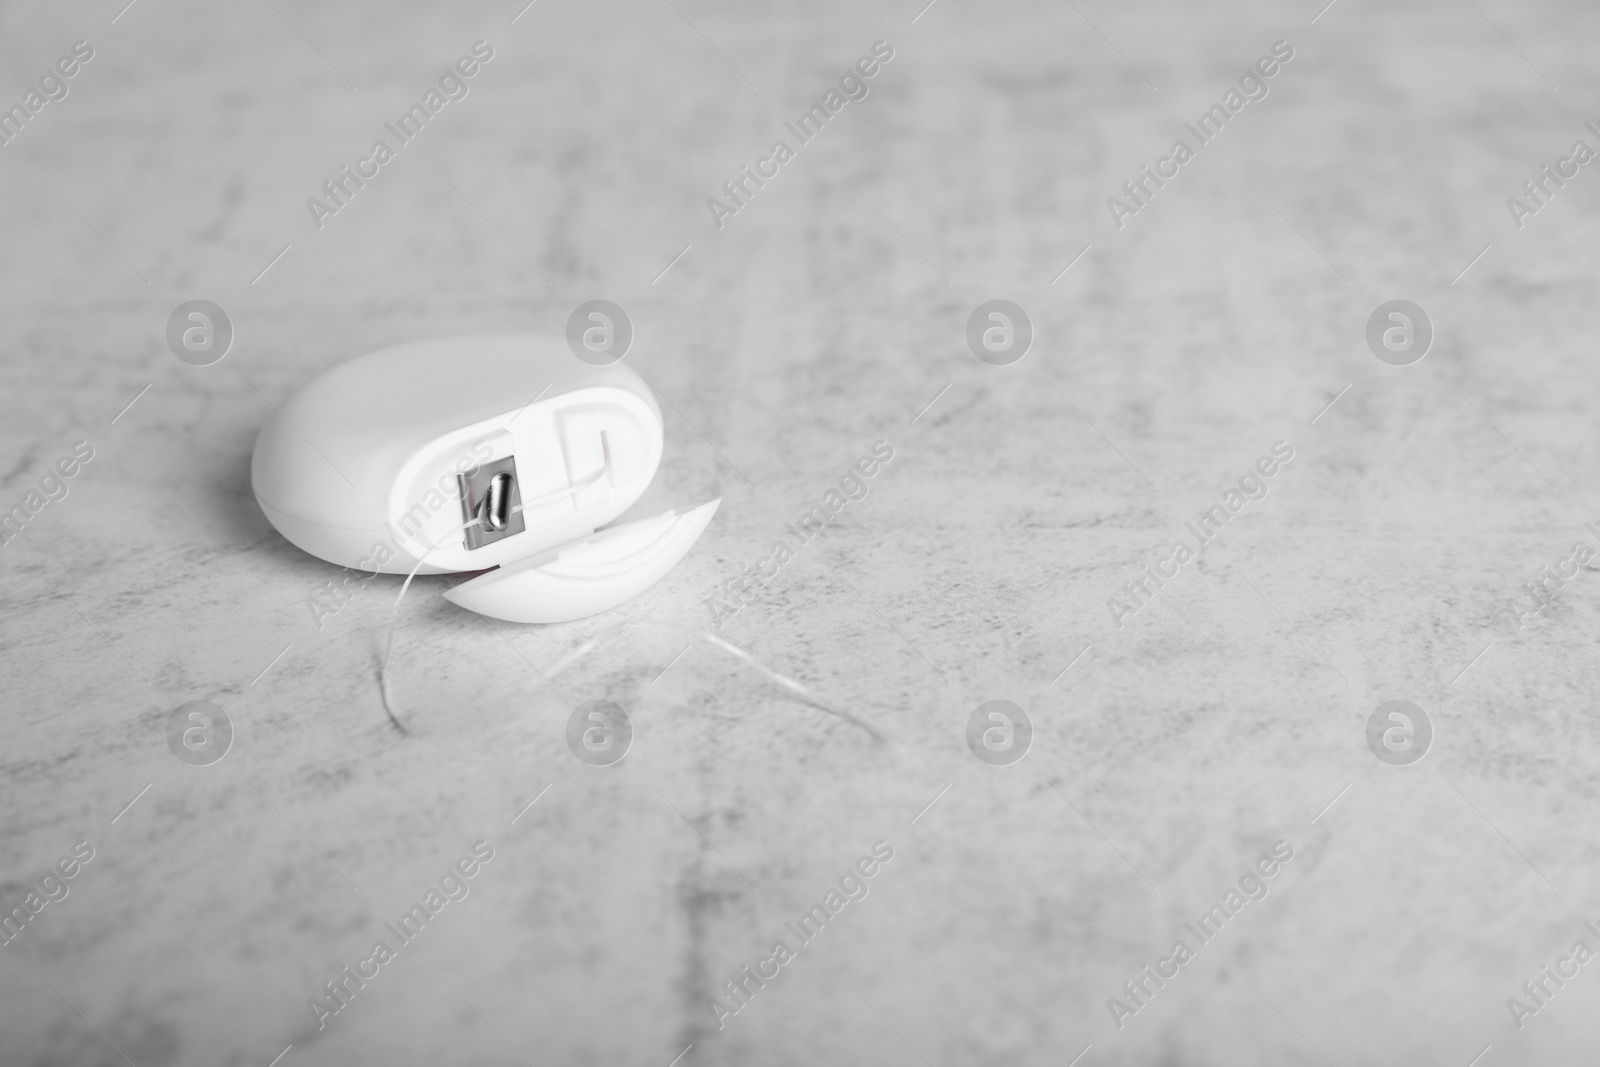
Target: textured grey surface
{"x":1217,"y":721}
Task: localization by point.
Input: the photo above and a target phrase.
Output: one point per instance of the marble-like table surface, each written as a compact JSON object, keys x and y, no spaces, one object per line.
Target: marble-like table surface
{"x":1170,"y":747}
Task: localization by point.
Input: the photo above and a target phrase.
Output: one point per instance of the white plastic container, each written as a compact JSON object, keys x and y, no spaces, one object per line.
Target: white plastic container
{"x":379,"y":463}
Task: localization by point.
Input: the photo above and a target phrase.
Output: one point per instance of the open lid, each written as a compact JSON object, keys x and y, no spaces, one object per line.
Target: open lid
{"x":588,"y":575}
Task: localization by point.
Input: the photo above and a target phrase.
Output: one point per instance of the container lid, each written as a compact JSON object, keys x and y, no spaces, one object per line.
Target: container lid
{"x":589,"y":575}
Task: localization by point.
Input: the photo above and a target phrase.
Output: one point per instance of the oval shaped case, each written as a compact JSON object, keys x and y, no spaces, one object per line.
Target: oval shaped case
{"x":472,"y":453}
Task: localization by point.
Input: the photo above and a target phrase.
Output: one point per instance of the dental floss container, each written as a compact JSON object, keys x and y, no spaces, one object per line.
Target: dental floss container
{"x":502,"y":454}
